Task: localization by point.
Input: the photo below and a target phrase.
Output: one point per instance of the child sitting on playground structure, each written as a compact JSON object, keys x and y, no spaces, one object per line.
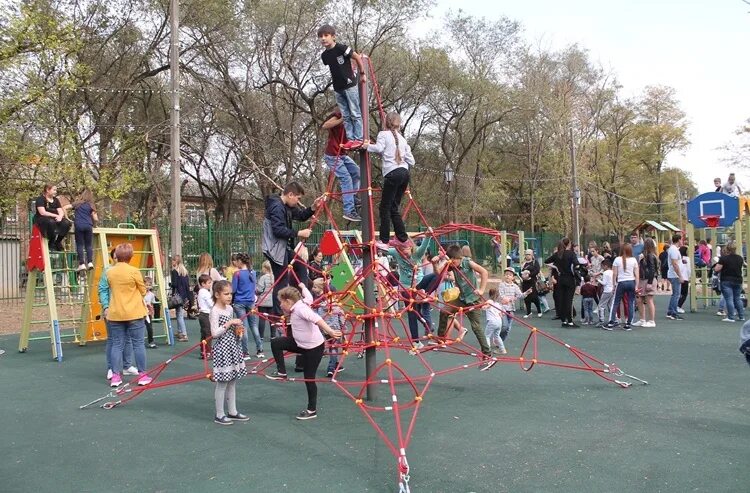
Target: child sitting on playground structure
{"x":397,"y":159}
{"x":465,"y":271}
{"x":345,"y":88}
{"x":411,"y":278}
{"x":228,"y":363}
{"x":306,"y":340}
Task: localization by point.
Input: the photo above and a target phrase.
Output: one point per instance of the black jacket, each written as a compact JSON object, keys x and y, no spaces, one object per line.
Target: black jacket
{"x":566,"y":266}
{"x":280,"y":216}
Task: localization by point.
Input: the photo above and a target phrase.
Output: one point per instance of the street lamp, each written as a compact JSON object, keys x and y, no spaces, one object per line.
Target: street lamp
{"x":448,"y":179}
{"x":448,"y":174}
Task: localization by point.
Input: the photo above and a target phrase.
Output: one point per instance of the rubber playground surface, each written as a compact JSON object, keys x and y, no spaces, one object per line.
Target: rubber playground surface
{"x":549,"y":429}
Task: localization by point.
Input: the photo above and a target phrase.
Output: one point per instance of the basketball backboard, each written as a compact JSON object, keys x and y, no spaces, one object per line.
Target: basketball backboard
{"x":727,"y":209}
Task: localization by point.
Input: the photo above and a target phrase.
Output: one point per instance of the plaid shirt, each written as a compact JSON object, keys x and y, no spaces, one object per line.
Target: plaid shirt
{"x":508,"y":290}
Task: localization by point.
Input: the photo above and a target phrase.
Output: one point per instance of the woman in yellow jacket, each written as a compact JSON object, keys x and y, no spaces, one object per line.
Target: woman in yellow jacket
{"x":125,"y":311}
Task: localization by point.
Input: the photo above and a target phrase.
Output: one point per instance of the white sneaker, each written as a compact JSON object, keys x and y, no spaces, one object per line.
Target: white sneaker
{"x":525,"y":316}
{"x":81,"y":267}
{"x":650,"y":323}
{"x":680,"y":310}
{"x":131,"y":371}
{"x":640,"y":323}
{"x":727,"y":319}
{"x":109,"y":374}
{"x":90,"y":265}
{"x":417,"y":345}
{"x":720,"y":313}
{"x":540,"y":314}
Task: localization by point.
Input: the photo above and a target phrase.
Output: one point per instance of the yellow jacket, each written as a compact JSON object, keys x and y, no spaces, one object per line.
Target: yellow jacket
{"x":126,"y":293}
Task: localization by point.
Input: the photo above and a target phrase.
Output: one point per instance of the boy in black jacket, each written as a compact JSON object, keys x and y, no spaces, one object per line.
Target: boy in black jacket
{"x":279,"y":238}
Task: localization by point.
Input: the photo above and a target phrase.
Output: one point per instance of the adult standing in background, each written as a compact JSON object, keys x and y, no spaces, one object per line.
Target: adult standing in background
{"x":635,"y":242}
{"x":674,"y":274}
{"x":180,"y":284}
{"x":206,"y":266}
{"x":566,"y":262}
{"x":125,"y":313}
{"x":729,"y":268}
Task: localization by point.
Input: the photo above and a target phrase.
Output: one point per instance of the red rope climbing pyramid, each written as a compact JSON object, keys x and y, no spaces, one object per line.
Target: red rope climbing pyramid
{"x":390,"y":335}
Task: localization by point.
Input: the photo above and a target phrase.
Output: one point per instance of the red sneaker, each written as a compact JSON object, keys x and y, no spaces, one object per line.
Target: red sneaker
{"x":351,"y":145}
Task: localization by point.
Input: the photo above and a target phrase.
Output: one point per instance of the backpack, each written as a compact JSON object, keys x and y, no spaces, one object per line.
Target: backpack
{"x":647,"y":265}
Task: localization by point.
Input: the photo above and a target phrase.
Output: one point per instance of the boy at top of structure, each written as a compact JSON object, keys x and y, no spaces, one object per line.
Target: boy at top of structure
{"x":338,"y":57}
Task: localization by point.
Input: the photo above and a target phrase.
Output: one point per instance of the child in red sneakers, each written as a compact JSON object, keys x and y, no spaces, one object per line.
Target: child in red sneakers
{"x":397,"y":159}
{"x":228,"y":363}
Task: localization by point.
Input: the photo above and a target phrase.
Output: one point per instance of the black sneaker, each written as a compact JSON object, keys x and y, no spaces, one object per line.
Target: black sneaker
{"x":677,"y":317}
{"x":224,"y":421}
{"x":627,"y":327}
{"x":573,"y":324}
{"x":238,"y":417}
{"x":487,"y":365}
{"x":276,"y":376}
{"x":353,"y":217}
{"x":329,"y":374}
{"x":307,"y":415}
{"x":298,"y":370}
{"x":609,"y":326}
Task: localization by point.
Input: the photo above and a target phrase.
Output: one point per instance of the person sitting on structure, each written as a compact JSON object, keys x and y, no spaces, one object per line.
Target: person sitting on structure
{"x":50,"y":218}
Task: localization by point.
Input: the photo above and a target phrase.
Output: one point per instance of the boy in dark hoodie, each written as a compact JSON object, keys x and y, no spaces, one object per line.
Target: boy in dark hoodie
{"x":279,"y":238}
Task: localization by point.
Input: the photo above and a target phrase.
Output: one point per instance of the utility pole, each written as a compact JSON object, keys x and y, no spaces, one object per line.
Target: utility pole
{"x":368,"y":232}
{"x":679,"y":200}
{"x":174,"y":74}
{"x":576,"y":191}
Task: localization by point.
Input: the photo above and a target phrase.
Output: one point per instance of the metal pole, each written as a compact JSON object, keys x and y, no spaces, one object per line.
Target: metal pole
{"x":576,"y":191}
{"x":174,"y":72}
{"x":679,"y":201}
{"x":368,"y":233}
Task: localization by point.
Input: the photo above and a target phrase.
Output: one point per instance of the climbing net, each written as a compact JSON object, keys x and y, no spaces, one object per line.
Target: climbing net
{"x":383,"y":327}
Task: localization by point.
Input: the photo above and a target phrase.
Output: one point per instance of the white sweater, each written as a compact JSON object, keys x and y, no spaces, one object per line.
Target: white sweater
{"x":386,"y":147}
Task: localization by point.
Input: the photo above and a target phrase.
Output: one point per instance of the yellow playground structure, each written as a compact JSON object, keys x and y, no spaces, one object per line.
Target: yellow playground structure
{"x":65,"y":302}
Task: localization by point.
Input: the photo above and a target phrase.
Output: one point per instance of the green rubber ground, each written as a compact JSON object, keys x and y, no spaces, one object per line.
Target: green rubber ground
{"x":547,"y":430}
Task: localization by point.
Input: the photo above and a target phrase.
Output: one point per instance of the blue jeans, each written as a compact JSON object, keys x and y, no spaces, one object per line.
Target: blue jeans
{"x":127,"y":354}
{"x":124,"y":333}
{"x":348,"y":101}
{"x":333,"y":359}
{"x":627,"y":287}
{"x":251,"y":324}
{"x":675,"y":297}
{"x":731,"y":292}
{"x":507,"y":323}
{"x":179,"y":314}
{"x":588,"y":310}
{"x":347,"y":172}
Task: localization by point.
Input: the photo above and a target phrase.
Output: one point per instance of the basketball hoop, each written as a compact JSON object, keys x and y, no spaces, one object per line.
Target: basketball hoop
{"x":711,"y":221}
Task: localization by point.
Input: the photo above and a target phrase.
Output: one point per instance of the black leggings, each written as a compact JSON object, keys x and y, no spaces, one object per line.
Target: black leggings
{"x":532,"y":299}
{"x":394,"y":187}
{"x":310,"y":362}
{"x":685,"y":288}
{"x":567,"y":292}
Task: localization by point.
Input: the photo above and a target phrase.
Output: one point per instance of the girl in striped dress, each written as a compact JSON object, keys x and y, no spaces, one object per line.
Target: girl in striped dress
{"x":228,"y":363}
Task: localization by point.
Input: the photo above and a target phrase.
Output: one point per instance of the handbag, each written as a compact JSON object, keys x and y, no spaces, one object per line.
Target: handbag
{"x":174,"y":300}
{"x":451,"y":294}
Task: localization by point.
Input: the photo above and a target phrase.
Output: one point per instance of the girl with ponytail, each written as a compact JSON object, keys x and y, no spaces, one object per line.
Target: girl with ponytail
{"x":397,"y":159}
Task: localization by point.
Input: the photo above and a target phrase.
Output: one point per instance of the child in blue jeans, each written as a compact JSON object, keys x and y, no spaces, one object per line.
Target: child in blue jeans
{"x":338,"y":57}
{"x":333,"y":315}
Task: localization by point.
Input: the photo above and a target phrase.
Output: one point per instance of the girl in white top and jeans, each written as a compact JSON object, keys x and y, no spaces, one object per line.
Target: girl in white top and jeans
{"x":625,"y":273}
{"x":397,"y":159}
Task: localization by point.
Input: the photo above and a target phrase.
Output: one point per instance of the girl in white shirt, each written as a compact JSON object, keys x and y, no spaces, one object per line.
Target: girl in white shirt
{"x":625,"y":274}
{"x":397,"y":159}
